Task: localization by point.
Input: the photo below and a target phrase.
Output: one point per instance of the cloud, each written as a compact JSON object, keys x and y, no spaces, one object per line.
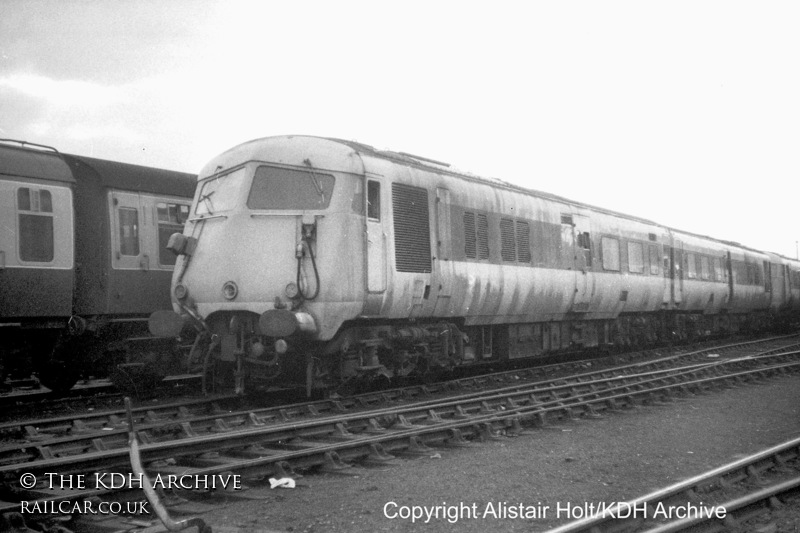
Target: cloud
{"x":62,"y":93}
{"x":76,"y":116}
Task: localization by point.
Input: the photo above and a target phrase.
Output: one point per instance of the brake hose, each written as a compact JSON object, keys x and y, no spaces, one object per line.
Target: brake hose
{"x":316,"y":272}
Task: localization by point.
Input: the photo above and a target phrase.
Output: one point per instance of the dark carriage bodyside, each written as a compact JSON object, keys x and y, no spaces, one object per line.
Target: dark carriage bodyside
{"x":101,"y":288}
{"x":38,"y":287}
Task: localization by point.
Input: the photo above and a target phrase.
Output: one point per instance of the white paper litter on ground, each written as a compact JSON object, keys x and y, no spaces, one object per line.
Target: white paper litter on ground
{"x":282,"y":483}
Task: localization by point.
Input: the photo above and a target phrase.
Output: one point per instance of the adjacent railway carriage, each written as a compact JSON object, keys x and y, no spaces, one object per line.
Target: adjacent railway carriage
{"x":327,"y":261}
{"x":83,"y":259}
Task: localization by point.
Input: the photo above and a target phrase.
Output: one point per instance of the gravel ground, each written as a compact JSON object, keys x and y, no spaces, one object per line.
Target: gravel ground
{"x":613,"y":458}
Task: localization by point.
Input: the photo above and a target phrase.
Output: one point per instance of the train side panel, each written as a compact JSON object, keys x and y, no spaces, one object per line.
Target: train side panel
{"x":36,"y":242}
{"x":703,"y":275}
{"x":495,"y":256}
{"x":125,"y":214}
{"x":36,"y":249}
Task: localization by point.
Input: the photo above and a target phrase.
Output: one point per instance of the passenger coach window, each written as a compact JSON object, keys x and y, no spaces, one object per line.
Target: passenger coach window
{"x":282,"y":188}
{"x":35,"y":208}
{"x":610,"y":249}
{"x":170,"y":220}
{"x":128,"y":231}
{"x":691,"y":266}
{"x":374,"y":200}
{"x":654,"y":260}
{"x":635,"y":258}
{"x":718,"y":269}
{"x":705,"y":270}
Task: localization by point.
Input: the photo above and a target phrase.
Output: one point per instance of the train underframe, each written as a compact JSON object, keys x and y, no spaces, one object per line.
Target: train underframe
{"x":372,"y":354}
{"x":61,"y":352}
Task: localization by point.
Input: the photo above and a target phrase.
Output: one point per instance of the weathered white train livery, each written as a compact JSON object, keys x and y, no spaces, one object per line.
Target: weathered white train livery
{"x":328,"y":261}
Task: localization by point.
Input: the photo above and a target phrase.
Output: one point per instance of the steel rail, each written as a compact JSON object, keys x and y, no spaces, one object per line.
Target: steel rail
{"x":353,"y":438}
{"x":341,"y":429}
{"x":403,"y":436}
{"x":104,"y":422}
{"x":746,"y":468}
{"x":737,"y":510}
{"x":540,"y":391}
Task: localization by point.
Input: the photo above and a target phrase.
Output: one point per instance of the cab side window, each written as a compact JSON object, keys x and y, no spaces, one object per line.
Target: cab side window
{"x":35,"y":211}
{"x":374,"y":200}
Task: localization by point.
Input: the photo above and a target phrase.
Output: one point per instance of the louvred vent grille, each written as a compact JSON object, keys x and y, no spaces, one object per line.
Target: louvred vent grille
{"x":507,"y":245}
{"x":470,"y":245}
{"x":483,"y":237}
{"x":412,"y":243}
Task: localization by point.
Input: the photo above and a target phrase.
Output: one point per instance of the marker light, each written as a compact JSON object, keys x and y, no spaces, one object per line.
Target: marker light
{"x":181,"y":291}
{"x":230,"y":290}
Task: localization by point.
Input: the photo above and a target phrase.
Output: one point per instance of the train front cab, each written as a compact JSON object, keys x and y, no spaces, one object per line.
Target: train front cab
{"x":272,"y":258}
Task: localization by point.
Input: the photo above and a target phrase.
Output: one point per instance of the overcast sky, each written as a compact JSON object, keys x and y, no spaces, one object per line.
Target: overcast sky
{"x":686,"y":113}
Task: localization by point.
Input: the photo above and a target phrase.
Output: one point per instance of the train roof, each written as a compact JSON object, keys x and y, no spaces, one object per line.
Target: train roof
{"x":444,"y":168}
{"x":439,"y":167}
{"x":133,"y":177}
{"x":37,"y":163}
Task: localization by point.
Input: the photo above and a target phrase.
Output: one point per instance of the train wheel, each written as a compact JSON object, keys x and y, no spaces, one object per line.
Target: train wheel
{"x":59,"y":371}
{"x":58,"y":376}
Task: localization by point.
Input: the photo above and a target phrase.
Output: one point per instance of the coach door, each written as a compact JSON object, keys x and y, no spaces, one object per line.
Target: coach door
{"x":126,"y":227}
{"x":584,"y":279}
{"x":443,"y":265}
{"x":376,"y":237}
{"x":676,"y":271}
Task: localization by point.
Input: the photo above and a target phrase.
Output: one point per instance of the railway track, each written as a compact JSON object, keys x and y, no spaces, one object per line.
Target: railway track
{"x":274,"y":442}
{"x":732,"y":496}
{"x":80,"y":419}
{"x":61,"y":434}
{"x":15,"y":395}
{"x":21,"y":393}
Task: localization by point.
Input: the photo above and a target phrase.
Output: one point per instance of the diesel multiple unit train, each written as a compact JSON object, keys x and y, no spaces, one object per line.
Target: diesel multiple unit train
{"x":83,"y":261}
{"x":323,"y":262}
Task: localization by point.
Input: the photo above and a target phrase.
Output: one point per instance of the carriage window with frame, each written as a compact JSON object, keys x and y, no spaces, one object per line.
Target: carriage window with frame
{"x":635,"y":258}
{"x":691,"y":266}
{"x":705,"y":270}
{"x":128,"y":231}
{"x":36,"y":237}
{"x":718,"y":275}
{"x":171,"y":217}
{"x":609,"y":248}
{"x":654,"y":260}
